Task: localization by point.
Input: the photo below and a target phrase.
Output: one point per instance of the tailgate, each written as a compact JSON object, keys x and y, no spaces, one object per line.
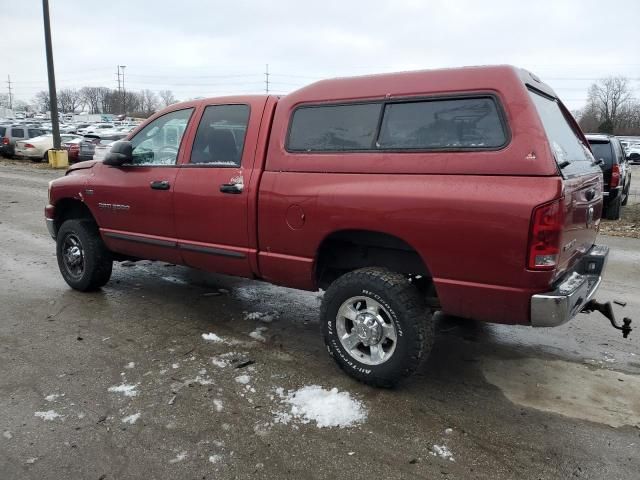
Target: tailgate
{"x":582,"y":212}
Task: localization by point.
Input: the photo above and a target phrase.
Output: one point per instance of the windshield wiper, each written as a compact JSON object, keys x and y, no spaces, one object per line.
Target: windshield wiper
{"x":597,"y":161}
{"x":564,"y":163}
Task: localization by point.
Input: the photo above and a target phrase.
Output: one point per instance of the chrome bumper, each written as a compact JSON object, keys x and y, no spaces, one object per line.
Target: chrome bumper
{"x":51,"y":226}
{"x":560,"y":305}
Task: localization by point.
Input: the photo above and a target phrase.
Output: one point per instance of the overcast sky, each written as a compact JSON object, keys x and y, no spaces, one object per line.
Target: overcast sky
{"x":209,"y":48}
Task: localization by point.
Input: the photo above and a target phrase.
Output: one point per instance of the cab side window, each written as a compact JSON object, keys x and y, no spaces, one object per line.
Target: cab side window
{"x":159,"y":142}
{"x":220,"y":137}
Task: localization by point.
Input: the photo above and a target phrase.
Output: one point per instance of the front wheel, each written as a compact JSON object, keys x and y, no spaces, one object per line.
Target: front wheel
{"x":376,"y":326}
{"x":83,"y":259}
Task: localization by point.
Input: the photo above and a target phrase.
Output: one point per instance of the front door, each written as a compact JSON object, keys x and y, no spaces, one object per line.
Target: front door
{"x":134,"y":203}
{"x":211,"y":194}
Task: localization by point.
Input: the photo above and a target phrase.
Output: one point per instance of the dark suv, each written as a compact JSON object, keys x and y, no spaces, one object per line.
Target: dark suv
{"x":615,"y":171}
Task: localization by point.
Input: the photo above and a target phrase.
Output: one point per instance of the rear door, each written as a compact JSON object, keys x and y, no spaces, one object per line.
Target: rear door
{"x":582,"y":202}
{"x":213,"y":195}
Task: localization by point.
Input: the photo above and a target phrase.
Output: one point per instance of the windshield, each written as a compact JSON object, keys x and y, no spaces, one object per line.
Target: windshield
{"x":565,"y":143}
{"x":602,"y":150}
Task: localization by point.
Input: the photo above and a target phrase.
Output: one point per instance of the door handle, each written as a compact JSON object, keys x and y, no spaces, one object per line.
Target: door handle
{"x":160,"y":185}
{"x":231,"y":188}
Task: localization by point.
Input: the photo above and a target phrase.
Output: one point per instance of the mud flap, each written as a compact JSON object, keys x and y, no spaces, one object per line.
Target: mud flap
{"x":606,"y":309}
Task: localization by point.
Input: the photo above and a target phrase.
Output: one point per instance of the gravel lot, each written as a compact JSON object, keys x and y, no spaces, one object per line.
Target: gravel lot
{"x":121,"y":383}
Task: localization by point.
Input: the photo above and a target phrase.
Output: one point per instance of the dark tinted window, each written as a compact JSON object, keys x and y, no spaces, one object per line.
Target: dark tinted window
{"x":602,"y":150}
{"x":2,"y":131}
{"x":35,"y":132}
{"x":447,"y":124}
{"x":334,"y":128}
{"x":17,"y":132}
{"x":220,"y":136}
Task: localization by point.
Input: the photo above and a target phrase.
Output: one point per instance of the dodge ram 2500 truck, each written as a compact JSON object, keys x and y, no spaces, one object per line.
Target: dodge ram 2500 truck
{"x":469,"y":191}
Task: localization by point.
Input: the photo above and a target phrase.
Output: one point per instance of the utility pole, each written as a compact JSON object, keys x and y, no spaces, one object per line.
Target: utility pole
{"x":118,"y":74}
{"x":10,"y":94}
{"x":266,"y":79}
{"x":53,"y":99}
{"x":124,"y":93}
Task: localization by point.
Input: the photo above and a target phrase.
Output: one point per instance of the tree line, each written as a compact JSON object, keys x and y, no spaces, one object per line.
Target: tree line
{"x":611,"y":108}
{"x":98,"y":100}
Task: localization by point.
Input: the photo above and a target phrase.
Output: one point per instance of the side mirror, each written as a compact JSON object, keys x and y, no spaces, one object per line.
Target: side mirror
{"x":121,"y":152}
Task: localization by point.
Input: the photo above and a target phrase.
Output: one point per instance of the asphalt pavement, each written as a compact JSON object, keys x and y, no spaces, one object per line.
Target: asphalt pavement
{"x":121,"y":384}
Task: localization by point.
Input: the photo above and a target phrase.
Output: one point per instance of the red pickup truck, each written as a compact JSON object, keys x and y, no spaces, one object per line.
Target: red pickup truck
{"x":471,"y":191}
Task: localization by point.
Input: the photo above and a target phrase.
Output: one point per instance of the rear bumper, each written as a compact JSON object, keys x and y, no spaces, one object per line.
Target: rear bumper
{"x":560,"y":305}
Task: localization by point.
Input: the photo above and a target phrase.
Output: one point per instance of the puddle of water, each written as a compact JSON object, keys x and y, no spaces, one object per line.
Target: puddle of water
{"x":569,"y":389}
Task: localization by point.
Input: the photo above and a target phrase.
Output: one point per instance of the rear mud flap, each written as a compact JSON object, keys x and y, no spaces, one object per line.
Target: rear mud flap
{"x":606,"y":309}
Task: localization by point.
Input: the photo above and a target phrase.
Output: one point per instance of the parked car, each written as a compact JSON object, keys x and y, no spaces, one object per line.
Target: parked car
{"x":37,"y":149}
{"x":633,"y":154}
{"x":73,"y":149}
{"x":347,"y":186}
{"x":95,"y":128}
{"x":10,"y":134}
{"x":615,"y":171}
{"x":91,"y":141}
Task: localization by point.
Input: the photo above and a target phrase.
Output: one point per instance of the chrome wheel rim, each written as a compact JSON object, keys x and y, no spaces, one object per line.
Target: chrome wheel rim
{"x":73,"y":255}
{"x":366,"y":330}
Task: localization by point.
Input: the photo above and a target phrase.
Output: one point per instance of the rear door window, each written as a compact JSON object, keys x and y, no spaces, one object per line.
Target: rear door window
{"x":17,"y":132}
{"x":220,"y":137}
{"x":334,"y":128}
{"x":458,"y":123}
{"x":2,"y":131}
{"x":34,"y":132}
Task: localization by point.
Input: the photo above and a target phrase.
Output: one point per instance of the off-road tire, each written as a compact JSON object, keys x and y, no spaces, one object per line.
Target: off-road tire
{"x":414,"y":324}
{"x":613,"y":209}
{"x":98,"y":263}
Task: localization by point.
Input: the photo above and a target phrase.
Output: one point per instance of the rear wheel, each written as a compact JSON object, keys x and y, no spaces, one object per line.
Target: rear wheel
{"x":613,"y":209}
{"x":626,"y":194}
{"x":83,"y":259}
{"x":376,"y":326}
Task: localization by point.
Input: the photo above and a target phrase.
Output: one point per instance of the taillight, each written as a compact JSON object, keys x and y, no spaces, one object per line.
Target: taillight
{"x":28,"y":145}
{"x":615,"y":176}
{"x":5,"y":141}
{"x":545,"y":235}
{"x":74,"y":148}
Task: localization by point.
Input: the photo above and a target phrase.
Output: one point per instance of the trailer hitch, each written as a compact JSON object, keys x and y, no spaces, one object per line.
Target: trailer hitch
{"x":606,"y":309}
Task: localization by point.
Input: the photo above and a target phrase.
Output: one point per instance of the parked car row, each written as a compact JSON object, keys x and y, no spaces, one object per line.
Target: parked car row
{"x":32,"y":140}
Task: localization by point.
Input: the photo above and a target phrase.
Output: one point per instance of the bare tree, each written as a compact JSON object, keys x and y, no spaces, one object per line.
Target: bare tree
{"x":69,"y":99}
{"x":4,"y":100}
{"x":167,"y":98}
{"x":91,"y":97}
{"x":42,"y":101}
{"x":608,"y":97}
{"x":148,"y":102}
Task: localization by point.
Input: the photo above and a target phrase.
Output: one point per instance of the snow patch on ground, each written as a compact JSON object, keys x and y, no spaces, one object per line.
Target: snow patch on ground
{"x":7,"y":434}
{"x":48,"y":415}
{"x":179,"y":457}
{"x":53,"y":396}
{"x":218,"y":404}
{"x":212,"y":337}
{"x":130,"y":365}
{"x":328,"y":408}
{"x":125,"y":389}
{"x":442,"y":451}
{"x":261,"y":317}
{"x":215,"y":458}
{"x":220,"y":362}
{"x":243,"y":379}
{"x":131,"y":419}
{"x":257,"y":334}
